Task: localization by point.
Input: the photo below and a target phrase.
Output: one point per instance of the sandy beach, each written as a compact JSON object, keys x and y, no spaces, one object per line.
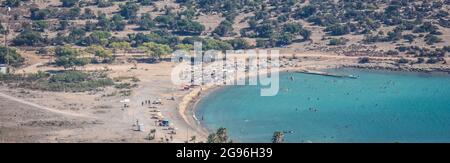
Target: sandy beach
{"x":36,"y":116}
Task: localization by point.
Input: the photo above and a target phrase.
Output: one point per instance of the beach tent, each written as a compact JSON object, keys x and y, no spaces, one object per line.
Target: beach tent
{"x":125,"y":101}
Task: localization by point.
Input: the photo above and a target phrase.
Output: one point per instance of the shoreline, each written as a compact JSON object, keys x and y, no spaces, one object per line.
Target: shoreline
{"x":114,"y":122}
{"x":189,"y":104}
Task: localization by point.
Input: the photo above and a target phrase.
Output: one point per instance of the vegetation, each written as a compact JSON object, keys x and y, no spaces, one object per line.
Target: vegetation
{"x":156,"y":50}
{"x":11,"y":55}
{"x":29,"y":38}
{"x":219,"y":137}
{"x":69,"y":3}
{"x":260,"y":23}
{"x":278,"y":137}
{"x":364,"y":60}
{"x":69,"y":57}
{"x":338,"y":41}
{"x":68,"y":81}
{"x":129,"y":10}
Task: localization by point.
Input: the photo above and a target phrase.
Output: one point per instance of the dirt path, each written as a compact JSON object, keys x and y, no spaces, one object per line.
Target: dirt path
{"x":42,"y":107}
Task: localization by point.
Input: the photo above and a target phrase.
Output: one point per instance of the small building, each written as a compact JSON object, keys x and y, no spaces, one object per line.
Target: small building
{"x":3,"y":69}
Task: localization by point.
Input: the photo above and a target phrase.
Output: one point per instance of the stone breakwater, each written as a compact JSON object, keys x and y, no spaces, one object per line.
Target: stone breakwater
{"x":406,"y":68}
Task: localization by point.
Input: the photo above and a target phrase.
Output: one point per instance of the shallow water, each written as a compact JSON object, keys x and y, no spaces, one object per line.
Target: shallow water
{"x":376,"y":107}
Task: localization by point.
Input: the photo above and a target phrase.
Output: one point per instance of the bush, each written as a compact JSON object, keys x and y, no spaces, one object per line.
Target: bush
{"x":104,"y":3}
{"x":224,"y":29}
{"x":15,"y":58}
{"x":185,"y":26}
{"x":306,"y":11}
{"x":392,"y":52}
{"x":30,"y":38}
{"x":12,"y":3}
{"x":239,"y":44}
{"x":337,"y":29}
{"x":337,"y":41}
{"x":364,"y":60}
{"x":146,"y":23}
{"x":73,"y":81}
{"x":69,"y":77}
{"x":129,"y":10}
{"x":431,"y":39}
{"x":69,"y":57}
{"x":403,"y":61}
{"x":420,"y":60}
{"x":69,"y":3}
{"x":40,"y":14}
{"x":432,"y":60}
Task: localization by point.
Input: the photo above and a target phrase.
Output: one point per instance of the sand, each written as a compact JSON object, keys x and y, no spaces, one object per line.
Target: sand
{"x":36,"y":116}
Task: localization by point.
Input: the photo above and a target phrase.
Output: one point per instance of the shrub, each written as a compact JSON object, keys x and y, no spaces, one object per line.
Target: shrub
{"x":403,"y":60}
{"x":30,"y":38}
{"x":69,"y":3}
{"x":337,"y":41}
{"x":420,"y":60}
{"x":15,"y":58}
{"x":129,"y":10}
{"x":364,"y":60}
{"x":432,"y":60}
{"x":431,"y":39}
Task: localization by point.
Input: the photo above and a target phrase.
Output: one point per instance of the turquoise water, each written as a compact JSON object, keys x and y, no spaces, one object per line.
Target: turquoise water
{"x":376,"y":107}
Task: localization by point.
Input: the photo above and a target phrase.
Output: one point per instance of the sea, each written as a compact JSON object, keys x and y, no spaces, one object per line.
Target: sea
{"x":376,"y":107}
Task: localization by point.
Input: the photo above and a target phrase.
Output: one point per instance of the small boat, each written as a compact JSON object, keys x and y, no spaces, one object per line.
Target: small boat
{"x":289,"y":132}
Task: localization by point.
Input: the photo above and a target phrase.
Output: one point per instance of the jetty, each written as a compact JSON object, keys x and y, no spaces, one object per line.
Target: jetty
{"x":326,"y":74}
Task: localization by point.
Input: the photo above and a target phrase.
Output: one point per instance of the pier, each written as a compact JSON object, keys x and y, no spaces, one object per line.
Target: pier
{"x":326,"y":74}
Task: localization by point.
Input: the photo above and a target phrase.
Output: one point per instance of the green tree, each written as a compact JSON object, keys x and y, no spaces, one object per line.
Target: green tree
{"x":129,"y":10}
{"x":306,"y":11}
{"x":338,"y":41}
{"x":239,"y":43}
{"x":306,"y":34}
{"x":104,"y":3}
{"x":69,"y":57}
{"x":40,"y":25}
{"x":10,"y":55}
{"x":69,"y":3}
{"x":185,"y":26}
{"x":100,"y":52}
{"x":220,"y":136}
{"x":29,"y":38}
{"x":2,"y":29}
{"x":122,"y":45}
{"x":193,"y":139}
{"x":97,"y":37}
{"x":337,"y":29}
{"x":215,"y":44}
{"x":224,"y":29}
{"x":293,"y":28}
{"x":265,"y":30}
{"x":12,"y":3}
{"x":278,"y":137}
{"x":185,"y":47}
{"x":156,"y":50}
{"x":146,"y":22}
{"x":431,"y":39}
{"x":40,"y":14}
{"x":117,"y":23}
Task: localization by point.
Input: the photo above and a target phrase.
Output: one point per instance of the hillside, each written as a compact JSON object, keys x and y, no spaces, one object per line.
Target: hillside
{"x":157,"y":27}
